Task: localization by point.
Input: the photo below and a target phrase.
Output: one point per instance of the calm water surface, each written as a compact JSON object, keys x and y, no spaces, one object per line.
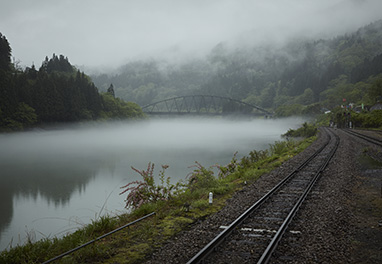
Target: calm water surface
{"x":53,"y":182}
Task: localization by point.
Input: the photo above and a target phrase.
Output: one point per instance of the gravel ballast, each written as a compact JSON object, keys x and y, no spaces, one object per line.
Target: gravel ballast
{"x":340,"y":222}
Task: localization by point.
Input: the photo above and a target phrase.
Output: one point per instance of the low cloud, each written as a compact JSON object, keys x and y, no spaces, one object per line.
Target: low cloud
{"x":94,"y":33}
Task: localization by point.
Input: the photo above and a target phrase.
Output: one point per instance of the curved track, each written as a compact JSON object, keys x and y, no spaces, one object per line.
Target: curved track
{"x":370,"y":139}
{"x":254,"y":235}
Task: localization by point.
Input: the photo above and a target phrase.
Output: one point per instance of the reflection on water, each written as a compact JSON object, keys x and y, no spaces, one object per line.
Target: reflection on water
{"x":52,"y":182}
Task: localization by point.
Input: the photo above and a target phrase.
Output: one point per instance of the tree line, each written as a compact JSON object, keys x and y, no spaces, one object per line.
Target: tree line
{"x":56,"y":92}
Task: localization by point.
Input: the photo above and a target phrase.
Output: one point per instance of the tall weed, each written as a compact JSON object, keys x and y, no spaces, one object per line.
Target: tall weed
{"x":146,"y":191}
{"x":231,"y":167}
{"x":201,"y":177}
{"x":281,"y":147}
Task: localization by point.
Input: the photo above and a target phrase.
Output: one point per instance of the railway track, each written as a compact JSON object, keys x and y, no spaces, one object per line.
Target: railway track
{"x":255,"y":234}
{"x":370,"y":139}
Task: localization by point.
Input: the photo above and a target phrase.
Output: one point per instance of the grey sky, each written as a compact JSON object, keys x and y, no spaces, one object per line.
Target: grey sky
{"x":96,"y":33}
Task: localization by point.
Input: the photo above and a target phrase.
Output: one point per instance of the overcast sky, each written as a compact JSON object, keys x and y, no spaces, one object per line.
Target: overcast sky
{"x":109,"y":33}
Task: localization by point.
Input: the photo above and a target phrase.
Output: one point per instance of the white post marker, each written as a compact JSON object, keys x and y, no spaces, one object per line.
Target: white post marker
{"x":210,"y":198}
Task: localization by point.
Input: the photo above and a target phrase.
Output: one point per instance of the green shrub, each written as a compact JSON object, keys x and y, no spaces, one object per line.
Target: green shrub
{"x":371,"y":119}
{"x":146,"y":191}
{"x":104,"y":223}
{"x":201,"y":177}
{"x":306,"y":131}
{"x":280,"y":147}
{"x":200,"y":204}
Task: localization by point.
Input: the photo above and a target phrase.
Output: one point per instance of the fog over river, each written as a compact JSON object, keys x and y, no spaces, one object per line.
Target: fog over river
{"x":52,"y":182}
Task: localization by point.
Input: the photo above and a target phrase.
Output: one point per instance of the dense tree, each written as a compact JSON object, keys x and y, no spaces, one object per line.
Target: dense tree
{"x":57,"y":63}
{"x":367,"y":68}
{"x":299,"y":72}
{"x":5,"y":54}
{"x":375,"y":90}
{"x":57,"y":92}
{"x":110,"y":90}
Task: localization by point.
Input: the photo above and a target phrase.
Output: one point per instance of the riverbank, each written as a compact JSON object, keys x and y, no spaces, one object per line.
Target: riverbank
{"x":179,"y":213}
{"x":54,"y":182}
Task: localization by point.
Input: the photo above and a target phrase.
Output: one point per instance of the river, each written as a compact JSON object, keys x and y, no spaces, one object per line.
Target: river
{"x":54,"y":181}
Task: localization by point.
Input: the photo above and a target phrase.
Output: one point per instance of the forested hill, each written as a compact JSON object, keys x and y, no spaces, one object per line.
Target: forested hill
{"x":55,"y":93}
{"x":299,"y":76}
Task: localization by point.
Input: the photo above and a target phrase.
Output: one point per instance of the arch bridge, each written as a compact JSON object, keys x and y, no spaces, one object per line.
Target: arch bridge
{"x":203,"y":105}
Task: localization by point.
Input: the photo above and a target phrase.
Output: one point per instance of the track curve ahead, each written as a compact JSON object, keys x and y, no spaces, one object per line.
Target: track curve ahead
{"x":255,"y":234}
{"x":370,"y":139}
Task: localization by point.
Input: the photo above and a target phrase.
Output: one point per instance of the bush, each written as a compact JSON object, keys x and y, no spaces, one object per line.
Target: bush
{"x":370,"y":119}
{"x":307,"y":130}
{"x":201,"y":177}
{"x":147,"y":191}
{"x":280,"y":147}
{"x":229,"y":168}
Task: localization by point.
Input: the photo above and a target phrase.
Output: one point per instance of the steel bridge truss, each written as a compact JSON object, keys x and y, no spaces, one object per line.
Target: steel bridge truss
{"x":202,"y":105}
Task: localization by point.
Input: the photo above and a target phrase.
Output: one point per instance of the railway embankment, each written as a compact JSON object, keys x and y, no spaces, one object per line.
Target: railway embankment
{"x":340,"y":222}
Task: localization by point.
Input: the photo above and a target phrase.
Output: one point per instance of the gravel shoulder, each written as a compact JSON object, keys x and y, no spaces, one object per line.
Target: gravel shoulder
{"x":339,"y":222}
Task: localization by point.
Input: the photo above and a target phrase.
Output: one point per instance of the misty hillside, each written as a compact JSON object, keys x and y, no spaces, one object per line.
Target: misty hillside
{"x":299,"y":73}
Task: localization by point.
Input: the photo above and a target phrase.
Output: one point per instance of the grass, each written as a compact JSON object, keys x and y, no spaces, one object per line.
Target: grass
{"x":186,"y":205}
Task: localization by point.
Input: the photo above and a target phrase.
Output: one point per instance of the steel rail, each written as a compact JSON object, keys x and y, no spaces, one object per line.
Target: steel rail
{"x":204,"y":252}
{"x":364,"y":137}
{"x":98,"y":238}
{"x":276,"y":239}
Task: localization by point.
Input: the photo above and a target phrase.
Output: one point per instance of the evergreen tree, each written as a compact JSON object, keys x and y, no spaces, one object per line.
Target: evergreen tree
{"x":110,"y":90}
{"x":8,"y":100}
{"x":57,"y":64}
{"x":5,"y":54}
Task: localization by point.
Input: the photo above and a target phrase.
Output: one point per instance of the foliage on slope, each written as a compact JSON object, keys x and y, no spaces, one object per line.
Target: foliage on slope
{"x":293,"y":79}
